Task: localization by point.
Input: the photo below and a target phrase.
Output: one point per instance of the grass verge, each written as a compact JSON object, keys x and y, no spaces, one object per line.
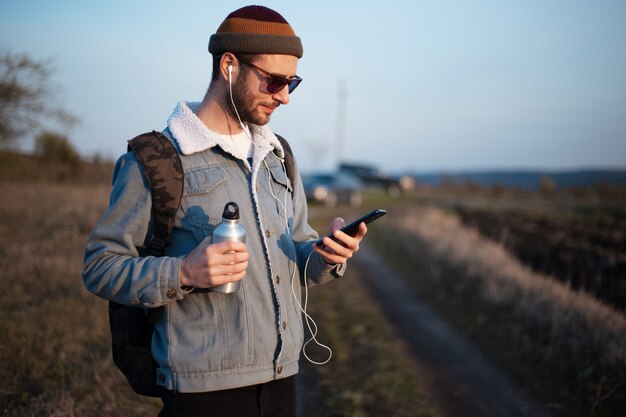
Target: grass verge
{"x":568,"y":348}
{"x":371,"y":372}
{"x":55,"y":352}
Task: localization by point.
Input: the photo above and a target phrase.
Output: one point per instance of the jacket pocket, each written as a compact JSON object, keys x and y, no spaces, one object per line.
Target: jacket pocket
{"x":281,"y":188}
{"x":203,"y":189}
{"x":280,"y":177}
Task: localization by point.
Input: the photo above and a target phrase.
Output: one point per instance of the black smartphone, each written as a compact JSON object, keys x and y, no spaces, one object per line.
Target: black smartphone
{"x":352,"y":228}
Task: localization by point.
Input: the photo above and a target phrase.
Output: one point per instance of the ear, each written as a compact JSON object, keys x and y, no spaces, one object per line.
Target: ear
{"x":227,"y":65}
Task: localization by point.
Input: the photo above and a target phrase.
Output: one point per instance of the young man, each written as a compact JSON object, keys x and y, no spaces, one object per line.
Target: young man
{"x":223,"y":353}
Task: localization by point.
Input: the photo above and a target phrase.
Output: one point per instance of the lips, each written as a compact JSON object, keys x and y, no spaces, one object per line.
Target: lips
{"x":269,"y":107}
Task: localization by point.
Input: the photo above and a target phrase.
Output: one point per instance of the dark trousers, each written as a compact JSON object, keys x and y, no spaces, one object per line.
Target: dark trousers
{"x":272,"y":399}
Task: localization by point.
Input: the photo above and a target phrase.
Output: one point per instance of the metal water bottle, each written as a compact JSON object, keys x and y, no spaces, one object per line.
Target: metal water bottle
{"x":229,"y":230}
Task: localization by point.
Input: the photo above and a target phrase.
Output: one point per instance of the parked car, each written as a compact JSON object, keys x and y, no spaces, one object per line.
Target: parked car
{"x":374,"y":177}
{"x":333,"y":188}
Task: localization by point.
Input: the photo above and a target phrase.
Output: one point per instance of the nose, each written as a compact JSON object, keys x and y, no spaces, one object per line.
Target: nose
{"x":282,"y":95}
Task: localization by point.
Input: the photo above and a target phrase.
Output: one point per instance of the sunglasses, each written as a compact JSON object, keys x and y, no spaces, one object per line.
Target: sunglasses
{"x":275,"y":82}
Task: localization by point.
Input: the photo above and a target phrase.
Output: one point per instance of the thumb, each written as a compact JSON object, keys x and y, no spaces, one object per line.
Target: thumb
{"x":336,"y":223}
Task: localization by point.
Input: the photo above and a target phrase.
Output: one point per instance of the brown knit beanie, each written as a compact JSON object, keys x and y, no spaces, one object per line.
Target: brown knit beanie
{"x":255,"y":30}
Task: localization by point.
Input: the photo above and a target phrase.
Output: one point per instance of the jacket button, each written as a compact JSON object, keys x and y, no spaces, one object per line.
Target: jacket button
{"x":170,"y":293}
{"x":278,"y":279}
{"x":284,"y":325}
{"x":279,"y":370}
{"x":268,"y":233}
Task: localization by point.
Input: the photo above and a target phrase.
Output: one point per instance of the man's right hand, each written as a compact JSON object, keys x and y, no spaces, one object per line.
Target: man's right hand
{"x":209,"y":264}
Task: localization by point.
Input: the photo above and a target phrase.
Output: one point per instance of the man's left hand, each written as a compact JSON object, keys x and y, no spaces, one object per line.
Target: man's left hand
{"x":345,"y":247}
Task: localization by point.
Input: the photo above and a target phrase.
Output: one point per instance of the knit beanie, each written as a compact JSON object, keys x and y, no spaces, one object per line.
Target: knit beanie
{"x":255,"y":30}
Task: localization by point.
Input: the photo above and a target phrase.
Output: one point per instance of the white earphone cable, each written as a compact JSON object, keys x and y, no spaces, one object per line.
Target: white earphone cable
{"x":310,"y":322}
{"x":230,"y":89}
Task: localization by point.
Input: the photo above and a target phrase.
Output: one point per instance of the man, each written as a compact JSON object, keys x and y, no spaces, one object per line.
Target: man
{"x":223,"y":353}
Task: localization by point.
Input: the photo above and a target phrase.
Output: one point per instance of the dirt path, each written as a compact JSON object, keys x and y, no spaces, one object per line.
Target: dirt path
{"x":460,"y":379}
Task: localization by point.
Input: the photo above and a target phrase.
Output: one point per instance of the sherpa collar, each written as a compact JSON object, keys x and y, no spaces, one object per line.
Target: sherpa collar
{"x":192,"y":135}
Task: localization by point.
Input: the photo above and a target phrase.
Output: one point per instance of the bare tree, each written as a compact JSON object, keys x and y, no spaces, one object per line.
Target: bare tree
{"x":26,"y":97}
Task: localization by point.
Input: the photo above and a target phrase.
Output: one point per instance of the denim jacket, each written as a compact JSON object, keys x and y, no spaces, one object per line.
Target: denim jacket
{"x":212,"y":341}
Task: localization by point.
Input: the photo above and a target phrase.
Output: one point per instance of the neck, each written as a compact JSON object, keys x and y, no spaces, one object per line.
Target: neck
{"x":214,"y":113}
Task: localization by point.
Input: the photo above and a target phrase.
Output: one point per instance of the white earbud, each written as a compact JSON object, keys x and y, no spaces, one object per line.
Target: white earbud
{"x":230,"y":90}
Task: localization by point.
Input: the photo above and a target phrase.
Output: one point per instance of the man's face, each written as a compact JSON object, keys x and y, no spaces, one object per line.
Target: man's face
{"x":254,"y":103}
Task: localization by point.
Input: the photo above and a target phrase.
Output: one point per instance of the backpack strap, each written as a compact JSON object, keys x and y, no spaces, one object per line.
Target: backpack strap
{"x":290,"y":166}
{"x":164,"y":172}
{"x":131,"y":327}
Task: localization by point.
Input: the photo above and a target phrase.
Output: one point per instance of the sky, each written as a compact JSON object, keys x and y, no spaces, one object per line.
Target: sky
{"x":428,"y":85}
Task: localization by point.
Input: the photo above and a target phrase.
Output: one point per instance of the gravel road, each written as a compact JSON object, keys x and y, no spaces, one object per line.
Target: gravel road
{"x":458,"y":377}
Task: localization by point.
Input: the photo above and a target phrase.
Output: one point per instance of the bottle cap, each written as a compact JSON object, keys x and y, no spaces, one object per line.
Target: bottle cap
{"x":231,"y":211}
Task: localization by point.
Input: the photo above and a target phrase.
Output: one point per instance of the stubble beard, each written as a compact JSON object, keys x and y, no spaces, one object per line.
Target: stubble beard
{"x":245,"y":105}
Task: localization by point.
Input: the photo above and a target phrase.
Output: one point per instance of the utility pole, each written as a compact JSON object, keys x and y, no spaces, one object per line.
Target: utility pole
{"x":340,"y":127}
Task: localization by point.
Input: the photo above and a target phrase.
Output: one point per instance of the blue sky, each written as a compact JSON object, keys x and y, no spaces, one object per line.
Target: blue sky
{"x":431,"y":85}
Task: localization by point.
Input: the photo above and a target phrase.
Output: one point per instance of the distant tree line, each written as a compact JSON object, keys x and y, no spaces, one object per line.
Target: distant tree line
{"x":26,"y":102}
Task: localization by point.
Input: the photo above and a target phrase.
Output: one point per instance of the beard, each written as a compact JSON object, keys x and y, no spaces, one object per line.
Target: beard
{"x":245,"y":105}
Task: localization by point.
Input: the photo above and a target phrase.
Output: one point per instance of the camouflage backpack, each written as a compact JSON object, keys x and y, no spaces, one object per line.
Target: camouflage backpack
{"x":131,"y":327}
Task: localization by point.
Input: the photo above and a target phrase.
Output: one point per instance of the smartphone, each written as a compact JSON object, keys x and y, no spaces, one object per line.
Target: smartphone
{"x":353,"y":227}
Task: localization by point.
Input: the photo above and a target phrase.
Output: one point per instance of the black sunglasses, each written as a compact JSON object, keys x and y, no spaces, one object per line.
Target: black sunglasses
{"x":276,"y":82}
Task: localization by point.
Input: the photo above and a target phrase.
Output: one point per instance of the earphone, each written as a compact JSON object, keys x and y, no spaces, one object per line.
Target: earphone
{"x":311,"y":325}
{"x":310,"y":322}
{"x":230,"y":90}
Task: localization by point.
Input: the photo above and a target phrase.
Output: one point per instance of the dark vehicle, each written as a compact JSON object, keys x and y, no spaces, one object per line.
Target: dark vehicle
{"x":332,"y":189}
{"x":373,"y":177}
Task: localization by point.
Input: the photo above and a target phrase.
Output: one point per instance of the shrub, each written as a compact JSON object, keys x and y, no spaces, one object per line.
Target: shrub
{"x":55,"y":148}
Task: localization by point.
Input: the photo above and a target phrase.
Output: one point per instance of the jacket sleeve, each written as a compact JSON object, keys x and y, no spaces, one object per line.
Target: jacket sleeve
{"x":316,"y":268}
{"x":112,"y":267}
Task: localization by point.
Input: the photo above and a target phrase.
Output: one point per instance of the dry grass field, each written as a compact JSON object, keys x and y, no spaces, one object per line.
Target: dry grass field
{"x":55,"y":357}
{"x":586,"y":252}
{"x":565,"y":345}
{"x":568,"y":348}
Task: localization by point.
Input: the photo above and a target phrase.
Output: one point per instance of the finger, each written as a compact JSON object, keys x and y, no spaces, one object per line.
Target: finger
{"x":232,"y":277}
{"x":330,"y":257}
{"x":344,"y":249}
{"x":336,"y":223}
{"x":225,"y":247}
{"x":344,"y":241}
{"x":224,"y":279}
{"x":228,"y":269}
{"x":221,"y":253}
{"x":232,"y":258}
{"x":362,"y":231}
